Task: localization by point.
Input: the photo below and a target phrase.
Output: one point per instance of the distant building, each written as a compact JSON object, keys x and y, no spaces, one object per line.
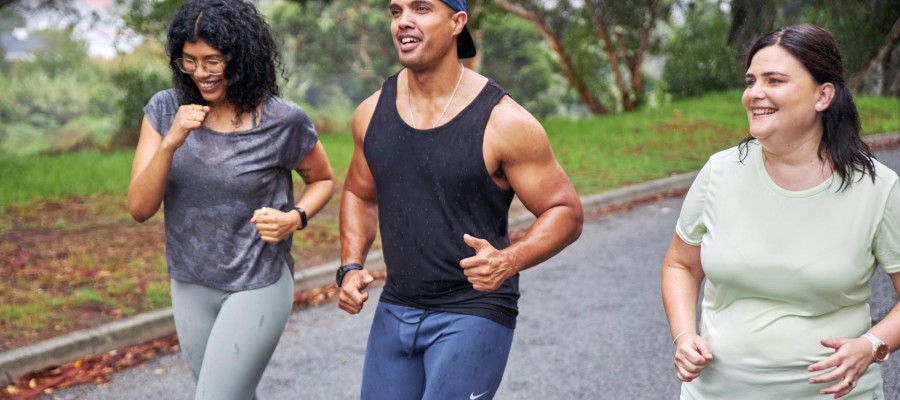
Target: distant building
{"x":20,"y":46}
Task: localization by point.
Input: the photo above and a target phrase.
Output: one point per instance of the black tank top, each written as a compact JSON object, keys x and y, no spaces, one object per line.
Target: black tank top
{"x":432,"y":186}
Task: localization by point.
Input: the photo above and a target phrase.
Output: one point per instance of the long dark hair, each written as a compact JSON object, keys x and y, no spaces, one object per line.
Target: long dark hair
{"x":841,"y":141}
{"x":235,"y":28}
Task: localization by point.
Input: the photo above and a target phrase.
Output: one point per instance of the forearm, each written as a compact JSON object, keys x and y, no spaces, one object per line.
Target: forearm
{"x":148,"y":183}
{"x":888,"y":329}
{"x":358,"y":224}
{"x":315,"y":196}
{"x":553,"y":230}
{"x":680,"y":291}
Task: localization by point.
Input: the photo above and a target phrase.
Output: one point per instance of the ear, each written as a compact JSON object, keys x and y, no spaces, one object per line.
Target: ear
{"x":826,"y":95}
{"x":459,"y":22}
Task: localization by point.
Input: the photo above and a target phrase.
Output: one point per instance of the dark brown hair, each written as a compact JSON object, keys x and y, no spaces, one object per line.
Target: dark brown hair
{"x":841,"y":141}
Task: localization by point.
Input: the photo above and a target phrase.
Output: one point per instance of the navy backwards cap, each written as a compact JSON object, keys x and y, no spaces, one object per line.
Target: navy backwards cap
{"x":465,"y":46}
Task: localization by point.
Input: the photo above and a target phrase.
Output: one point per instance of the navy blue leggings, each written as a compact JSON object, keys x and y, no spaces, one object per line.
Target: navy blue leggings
{"x":432,"y":355}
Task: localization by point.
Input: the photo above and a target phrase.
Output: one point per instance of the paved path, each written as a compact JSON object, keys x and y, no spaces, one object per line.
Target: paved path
{"x":592,"y":326}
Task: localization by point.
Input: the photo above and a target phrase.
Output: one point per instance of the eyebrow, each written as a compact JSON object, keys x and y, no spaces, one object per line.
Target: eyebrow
{"x":768,"y":73}
{"x":186,"y":54}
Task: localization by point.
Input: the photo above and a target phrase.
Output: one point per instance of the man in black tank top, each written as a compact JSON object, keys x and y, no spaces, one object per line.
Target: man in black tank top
{"x":440,"y":152}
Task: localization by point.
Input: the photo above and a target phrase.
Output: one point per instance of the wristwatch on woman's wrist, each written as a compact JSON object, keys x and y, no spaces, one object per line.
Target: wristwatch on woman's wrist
{"x":303,"y":220}
{"x":880,"y":350}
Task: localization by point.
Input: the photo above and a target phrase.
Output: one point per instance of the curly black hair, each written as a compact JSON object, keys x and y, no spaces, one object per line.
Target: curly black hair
{"x":235,"y":28}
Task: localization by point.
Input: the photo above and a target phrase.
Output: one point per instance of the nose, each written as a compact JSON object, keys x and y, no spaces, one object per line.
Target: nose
{"x":405,"y":20}
{"x":201,"y":71}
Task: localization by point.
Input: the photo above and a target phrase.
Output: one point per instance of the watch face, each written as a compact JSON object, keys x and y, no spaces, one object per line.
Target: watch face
{"x":882,"y":352}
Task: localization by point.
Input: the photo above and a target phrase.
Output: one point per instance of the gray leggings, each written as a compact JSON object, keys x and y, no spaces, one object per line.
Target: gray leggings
{"x":227,"y":338}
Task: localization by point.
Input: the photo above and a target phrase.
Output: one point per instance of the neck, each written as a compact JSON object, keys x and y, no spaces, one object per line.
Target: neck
{"x":796,"y":150}
{"x":426,"y":84}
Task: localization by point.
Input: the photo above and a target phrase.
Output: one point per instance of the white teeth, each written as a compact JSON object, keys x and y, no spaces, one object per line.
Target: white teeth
{"x":763,"y":111}
{"x":206,"y":85}
{"x":407,"y":40}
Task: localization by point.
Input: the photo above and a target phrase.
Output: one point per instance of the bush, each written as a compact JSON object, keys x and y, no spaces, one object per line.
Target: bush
{"x":136,"y":86}
{"x":698,"y":60}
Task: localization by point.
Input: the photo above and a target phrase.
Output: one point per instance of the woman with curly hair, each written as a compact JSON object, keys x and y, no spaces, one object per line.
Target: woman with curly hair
{"x":219,"y":149}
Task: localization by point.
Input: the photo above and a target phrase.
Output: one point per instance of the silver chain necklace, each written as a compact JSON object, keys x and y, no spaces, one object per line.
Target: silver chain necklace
{"x":409,"y":99}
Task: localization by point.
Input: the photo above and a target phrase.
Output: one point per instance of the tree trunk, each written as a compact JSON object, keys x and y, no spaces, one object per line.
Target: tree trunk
{"x":750,"y":19}
{"x":877,"y":55}
{"x":568,"y":66}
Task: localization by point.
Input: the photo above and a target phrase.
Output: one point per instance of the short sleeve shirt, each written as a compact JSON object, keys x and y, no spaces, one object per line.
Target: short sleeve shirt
{"x":216,"y":182}
{"x":784,"y":269}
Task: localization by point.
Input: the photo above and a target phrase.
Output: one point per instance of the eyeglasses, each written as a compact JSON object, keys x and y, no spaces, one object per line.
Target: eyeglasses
{"x":212,"y":66}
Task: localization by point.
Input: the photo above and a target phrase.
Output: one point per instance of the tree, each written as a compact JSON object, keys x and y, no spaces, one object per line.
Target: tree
{"x":623,"y":30}
{"x":698,"y":58}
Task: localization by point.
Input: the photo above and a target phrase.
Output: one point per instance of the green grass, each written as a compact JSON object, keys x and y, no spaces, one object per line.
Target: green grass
{"x":598,"y":153}
{"x":73,"y":247}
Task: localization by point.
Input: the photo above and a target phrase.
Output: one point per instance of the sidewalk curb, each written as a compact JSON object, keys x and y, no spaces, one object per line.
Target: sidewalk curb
{"x":157,"y":324}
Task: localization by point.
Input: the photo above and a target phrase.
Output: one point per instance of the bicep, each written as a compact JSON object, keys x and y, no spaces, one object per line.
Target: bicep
{"x":533,"y":172}
{"x":684,"y":256}
{"x":359,"y":180}
{"x":315,"y":166}
{"x":148,"y":142}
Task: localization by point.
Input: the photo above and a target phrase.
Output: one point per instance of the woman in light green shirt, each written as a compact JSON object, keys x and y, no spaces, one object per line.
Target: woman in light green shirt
{"x":786,"y":229}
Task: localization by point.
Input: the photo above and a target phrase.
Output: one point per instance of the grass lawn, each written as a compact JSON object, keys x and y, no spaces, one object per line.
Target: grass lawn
{"x":73,"y":258}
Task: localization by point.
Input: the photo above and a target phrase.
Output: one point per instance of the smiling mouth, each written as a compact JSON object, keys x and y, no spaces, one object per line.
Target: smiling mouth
{"x":407,"y":40}
{"x":207,"y":85}
{"x":763,"y":111}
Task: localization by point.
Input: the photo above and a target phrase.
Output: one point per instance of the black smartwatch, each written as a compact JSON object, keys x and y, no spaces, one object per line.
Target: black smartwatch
{"x":343,"y":271}
{"x":303,"y":219}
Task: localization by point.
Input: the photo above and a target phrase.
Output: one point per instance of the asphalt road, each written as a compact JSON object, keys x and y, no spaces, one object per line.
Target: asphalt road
{"x":591,"y":326}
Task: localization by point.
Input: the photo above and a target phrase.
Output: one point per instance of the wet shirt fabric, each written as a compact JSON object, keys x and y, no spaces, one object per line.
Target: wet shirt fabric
{"x":784,"y":270}
{"x":216,"y":182}
{"x":432,"y":187}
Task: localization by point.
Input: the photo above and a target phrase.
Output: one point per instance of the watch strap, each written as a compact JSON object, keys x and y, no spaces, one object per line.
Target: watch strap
{"x":303,"y":219}
{"x":344,"y":269}
{"x":878,"y":346}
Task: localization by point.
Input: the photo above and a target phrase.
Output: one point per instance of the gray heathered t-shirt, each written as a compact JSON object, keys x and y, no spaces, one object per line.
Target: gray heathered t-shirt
{"x":216,"y":181}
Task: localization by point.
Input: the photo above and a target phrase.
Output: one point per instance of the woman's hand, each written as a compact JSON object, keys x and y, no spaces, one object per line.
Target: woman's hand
{"x":692,"y":353}
{"x":850,"y":361}
{"x":274,"y":225}
{"x":188,"y":118}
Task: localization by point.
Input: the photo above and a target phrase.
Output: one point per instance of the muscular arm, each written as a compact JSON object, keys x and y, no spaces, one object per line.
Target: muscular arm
{"x":518,"y":152}
{"x":358,"y":220}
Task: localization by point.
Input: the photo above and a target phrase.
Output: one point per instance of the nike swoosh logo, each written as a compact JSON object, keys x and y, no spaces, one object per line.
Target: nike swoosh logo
{"x":474,"y":397}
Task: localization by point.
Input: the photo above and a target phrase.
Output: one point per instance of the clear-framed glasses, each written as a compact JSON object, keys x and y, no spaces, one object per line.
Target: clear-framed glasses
{"x":212,"y":66}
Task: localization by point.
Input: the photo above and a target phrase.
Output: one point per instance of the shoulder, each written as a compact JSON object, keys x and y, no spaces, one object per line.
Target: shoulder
{"x":363,"y":113}
{"x":164,"y":100}
{"x":285,"y":109}
{"x":509,"y":120}
{"x":885,"y":174}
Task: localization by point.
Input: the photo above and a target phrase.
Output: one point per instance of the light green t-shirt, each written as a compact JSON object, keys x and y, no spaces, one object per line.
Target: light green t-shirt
{"x":784,"y":269}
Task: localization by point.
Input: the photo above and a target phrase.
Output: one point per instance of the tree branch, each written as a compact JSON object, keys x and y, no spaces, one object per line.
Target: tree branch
{"x":860,"y":75}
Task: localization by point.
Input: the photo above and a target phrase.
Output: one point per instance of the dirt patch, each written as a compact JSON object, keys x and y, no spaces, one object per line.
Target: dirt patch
{"x":78,"y":263}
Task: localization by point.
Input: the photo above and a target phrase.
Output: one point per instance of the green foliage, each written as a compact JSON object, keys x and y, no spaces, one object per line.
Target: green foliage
{"x":58,"y":102}
{"x":698,"y":59}
{"x":509,"y":58}
{"x":136,"y":86}
{"x":859,"y":26}
{"x":338,"y":54}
